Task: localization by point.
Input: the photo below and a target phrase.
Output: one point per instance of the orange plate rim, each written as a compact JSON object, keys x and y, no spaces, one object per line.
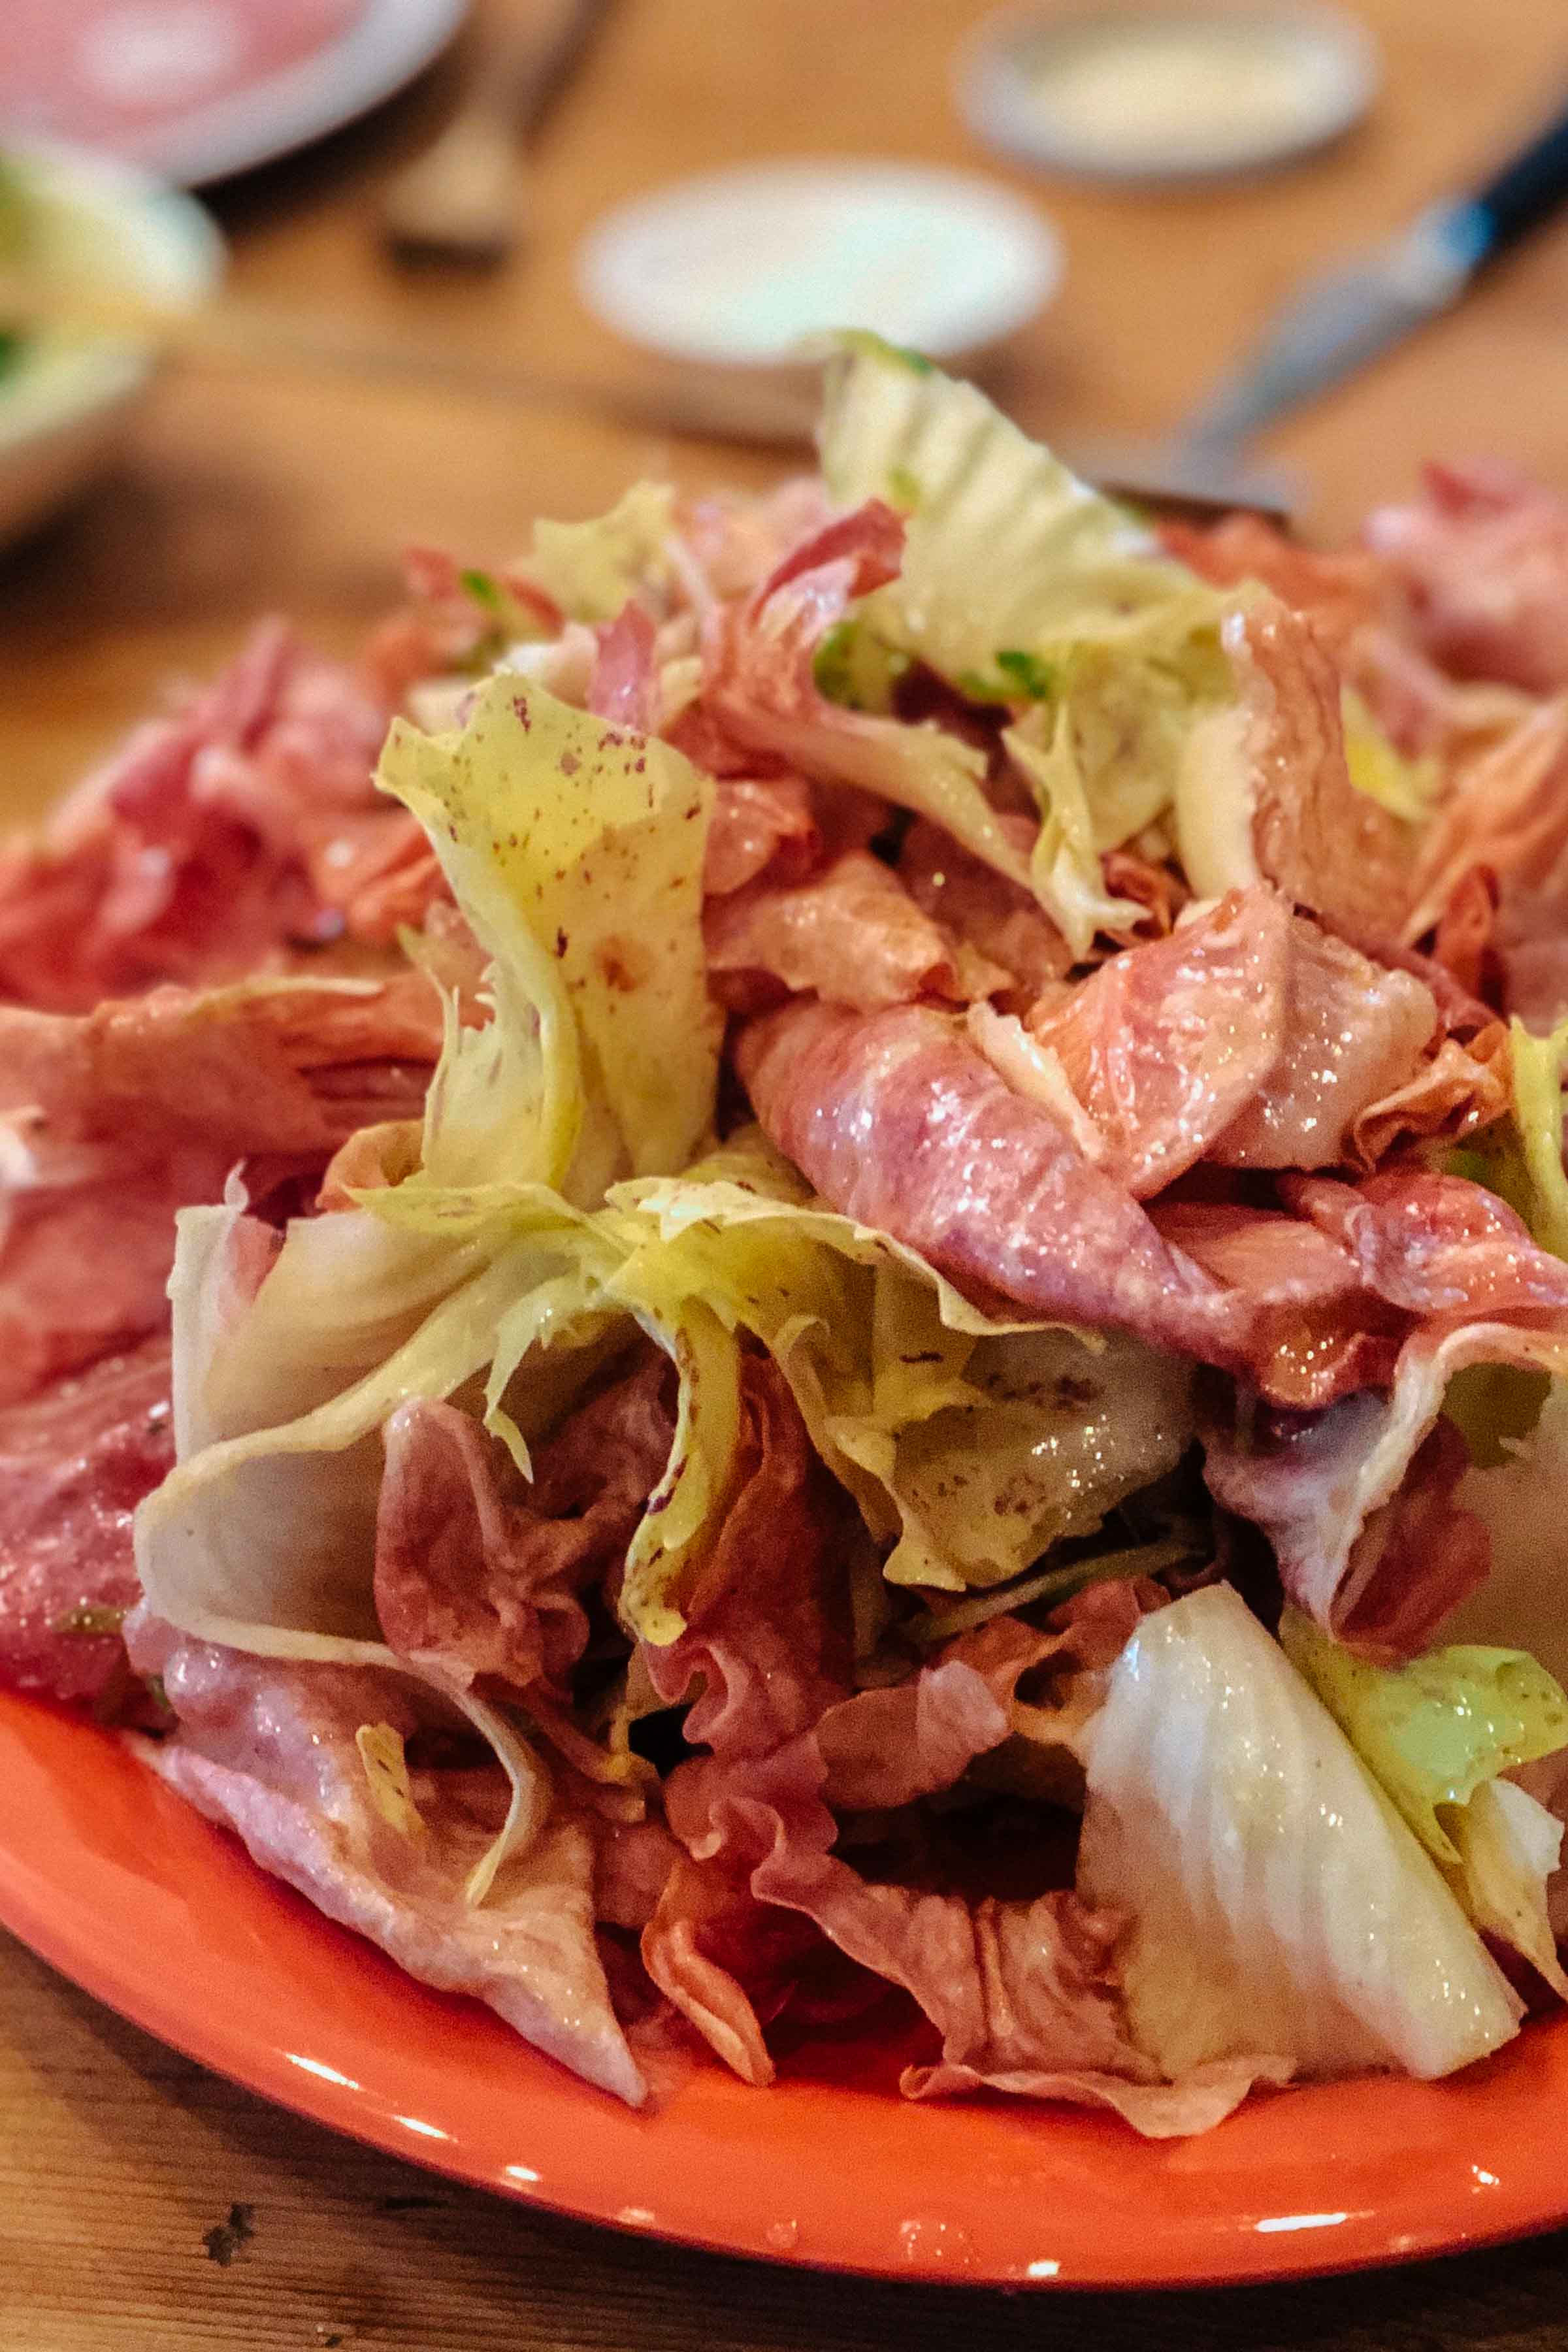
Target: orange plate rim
{"x":117,"y":1883}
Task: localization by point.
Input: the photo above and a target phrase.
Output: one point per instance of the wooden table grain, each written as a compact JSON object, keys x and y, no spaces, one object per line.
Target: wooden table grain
{"x":144,"y":2203}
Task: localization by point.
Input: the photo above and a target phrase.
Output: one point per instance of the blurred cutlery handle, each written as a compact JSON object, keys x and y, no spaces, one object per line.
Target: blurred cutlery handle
{"x":1527,"y":191}
{"x":465,"y":198}
{"x":236,"y":333}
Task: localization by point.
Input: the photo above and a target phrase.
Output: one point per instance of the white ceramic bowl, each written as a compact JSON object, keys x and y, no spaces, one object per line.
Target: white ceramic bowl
{"x":64,"y":405}
{"x":740,"y":268}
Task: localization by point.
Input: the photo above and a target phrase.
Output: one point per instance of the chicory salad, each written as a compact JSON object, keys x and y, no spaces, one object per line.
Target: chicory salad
{"x":811,"y":1268}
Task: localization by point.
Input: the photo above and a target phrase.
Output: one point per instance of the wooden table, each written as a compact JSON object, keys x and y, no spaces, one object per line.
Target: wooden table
{"x":144,"y":2204}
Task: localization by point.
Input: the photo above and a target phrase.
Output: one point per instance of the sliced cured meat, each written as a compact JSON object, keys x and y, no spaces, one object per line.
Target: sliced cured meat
{"x":1437,"y":1246}
{"x":735,"y":541}
{"x":1483,"y":559}
{"x":760,"y":690}
{"x":484,"y":1572}
{"x":871,"y":538}
{"x":269,"y":1751}
{"x":1353,"y":1034}
{"x":1167,"y":1044}
{"x":997,"y":918}
{"x":758,"y":656}
{"x":767,"y":1641}
{"x":1357,"y":1500}
{"x":1322,"y":842}
{"x":852,"y":934}
{"x":1319,"y":1332}
{"x":1358,"y":1504}
{"x":1509,"y":813}
{"x":761,"y":824}
{"x":1340,"y":592}
{"x":900,"y":1123}
{"x":111,"y":1122}
{"x":625,"y":687}
{"x":75,"y":1461}
{"x":1264,"y":791}
{"x":216,"y":842}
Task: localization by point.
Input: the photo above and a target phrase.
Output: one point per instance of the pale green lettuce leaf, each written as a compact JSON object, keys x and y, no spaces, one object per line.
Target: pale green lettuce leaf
{"x":1066,"y":872}
{"x":575,"y":851}
{"x":1538,"y":1063}
{"x":1510,"y":1847}
{"x":1006,"y":553}
{"x":1022,"y":586}
{"x":1276,"y":1901}
{"x":686,"y":1506}
{"x":592,"y":568}
{"x":971,"y":1445}
{"x":264,"y":1539}
{"x":1407,"y":788}
{"x":1435,"y":1730}
{"x":1437,"y":1734}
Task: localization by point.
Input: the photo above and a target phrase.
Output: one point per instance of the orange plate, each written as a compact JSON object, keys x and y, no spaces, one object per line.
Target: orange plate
{"x":111,"y":1876}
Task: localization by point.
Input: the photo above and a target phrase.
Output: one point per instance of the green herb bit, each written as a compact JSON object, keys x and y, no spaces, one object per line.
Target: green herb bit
{"x":15,"y":235}
{"x":903,"y":489}
{"x":484,"y":591}
{"x":830,"y":669}
{"x":1034,"y":678}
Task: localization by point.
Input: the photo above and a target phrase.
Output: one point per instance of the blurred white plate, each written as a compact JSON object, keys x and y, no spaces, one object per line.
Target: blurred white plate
{"x":64,"y":405}
{"x":1176,"y":89}
{"x":738,"y":267}
{"x":193,"y":90}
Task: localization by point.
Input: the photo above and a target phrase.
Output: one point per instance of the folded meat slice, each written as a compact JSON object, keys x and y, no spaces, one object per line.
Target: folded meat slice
{"x":1438,"y":1246}
{"x":1483,"y":560}
{"x":111,"y":1122}
{"x":1356,"y":1035}
{"x":624,"y":687}
{"x":484,"y":1572}
{"x":852,"y":934}
{"x":998,"y":918}
{"x":270,"y":1751}
{"x":767,"y":1642}
{"x":1357,"y":1501}
{"x":1169,"y":1045}
{"x":216,"y":842}
{"x":900,"y":1122}
{"x":736,"y":540}
{"x":760,"y":691}
{"x":75,"y":1461}
{"x":1264,"y":793}
{"x":1358,"y":1506}
{"x":1506,"y":814}
{"x":761,"y":824}
{"x":1318,"y":1329}
{"x":1341,"y":591}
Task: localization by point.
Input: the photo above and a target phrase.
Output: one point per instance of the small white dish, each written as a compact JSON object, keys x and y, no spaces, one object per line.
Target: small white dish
{"x":1189,"y":89}
{"x":740,"y":268}
{"x":64,"y":405}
